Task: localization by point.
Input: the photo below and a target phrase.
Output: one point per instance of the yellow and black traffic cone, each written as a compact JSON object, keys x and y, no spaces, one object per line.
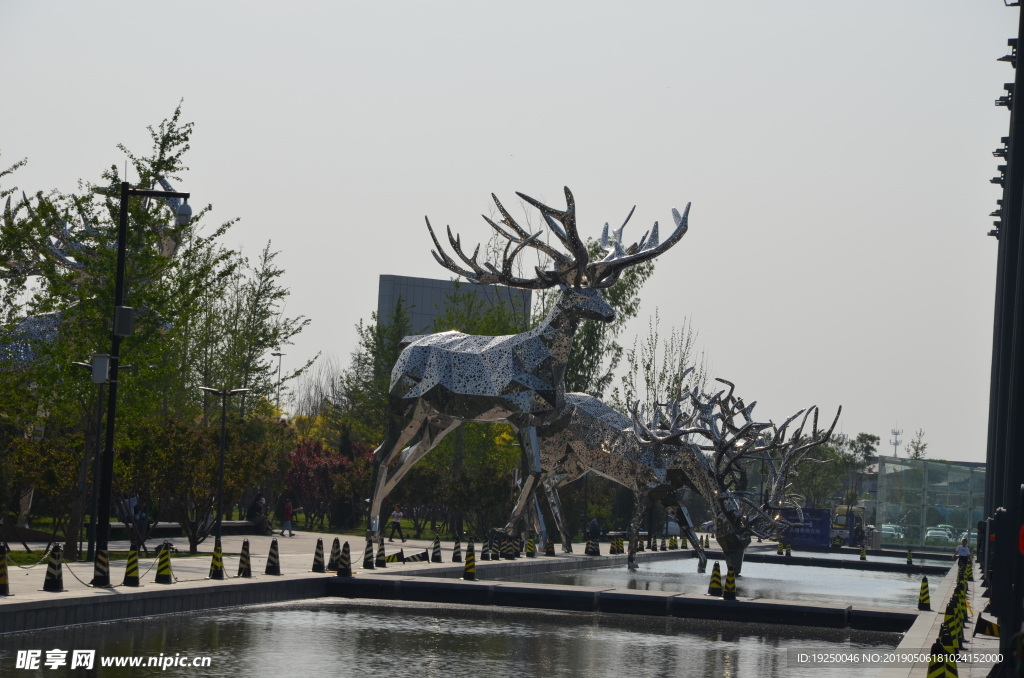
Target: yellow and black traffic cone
{"x":368,"y":555}
{"x":715,"y":587}
{"x":345,"y":562}
{"x":435,"y":556}
{"x":549,"y":548}
{"x":101,"y":568}
{"x":863,"y":553}
{"x":789,"y":549}
{"x":673,"y":544}
{"x":531,"y":548}
{"x":131,"y":570}
{"x":664,"y":544}
{"x":910,"y":557}
{"x":936,"y":661}
{"x":469,"y":569}
{"x":779,"y":550}
{"x":924,"y":600}
{"x":54,"y":581}
{"x":245,"y":561}
{"x":318,"y":557}
{"x":163,"y":565}
{"x":485,"y":547}
{"x":5,"y":584}
{"x":986,"y":628}
{"x":639,"y":544}
{"x":382,"y":558}
{"x":273,"y":560}
{"x":457,"y":550}
{"x":506,"y":547}
{"x":970,"y":570}
{"x":217,"y":562}
{"x":332,"y":564}
{"x":396,"y":557}
{"x":729,"y":592}
{"x":707,"y":541}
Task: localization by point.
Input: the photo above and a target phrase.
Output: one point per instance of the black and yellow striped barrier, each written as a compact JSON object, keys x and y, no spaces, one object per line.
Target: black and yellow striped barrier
{"x":863,"y":553}
{"x":54,"y":581}
{"x":436,"y":555}
{"x":549,"y":548}
{"x":368,"y":555}
{"x":163,"y":565}
{"x":318,"y":557}
{"x":986,"y":628}
{"x":345,"y":562}
{"x":531,"y":548}
{"x":421,"y":557}
{"x":131,"y":570}
{"x":715,"y":587}
{"x":780,"y":550}
{"x":217,"y":562}
{"x":332,"y":564}
{"x":382,"y":557}
{"x":910,"y":557}
{"x":245,"y":561}
{"x":469,"y":569}
{"x":395,"y":557}
{"x":457,"y":550}
{"x":789,"y":549}
{"x":936,"y":661}
{"x":924,"y":600}
{"x":273,"y":560}
{"x":729,"y":591}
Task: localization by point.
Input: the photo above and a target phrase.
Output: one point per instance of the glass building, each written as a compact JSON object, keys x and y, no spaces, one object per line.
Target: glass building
{"x":929,"y":503}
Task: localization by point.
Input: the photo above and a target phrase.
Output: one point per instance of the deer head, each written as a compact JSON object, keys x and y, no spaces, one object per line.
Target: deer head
{"x":580,"y":280}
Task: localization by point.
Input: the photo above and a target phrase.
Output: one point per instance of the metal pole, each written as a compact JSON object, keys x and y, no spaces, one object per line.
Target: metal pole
{"x":90,"y":557}
{"x":220,"y":481}
{"x":101,"y":573}
{"x":279,"y":356}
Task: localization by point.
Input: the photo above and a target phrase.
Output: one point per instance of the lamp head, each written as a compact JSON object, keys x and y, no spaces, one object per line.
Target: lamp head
{"x":183,"y":214}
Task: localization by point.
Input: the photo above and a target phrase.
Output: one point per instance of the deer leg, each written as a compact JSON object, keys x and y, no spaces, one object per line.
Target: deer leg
{"x":537,"y":525}
{"x":413,"y":454}
{"x":642,"y":503}
{"x":682,"y":518}
{"x":531,"y":459}
{"x":556,"y":510}
{"x":383,"y":456}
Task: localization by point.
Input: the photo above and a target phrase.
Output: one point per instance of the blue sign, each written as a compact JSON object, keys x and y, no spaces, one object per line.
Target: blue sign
{"x":815,"y":529}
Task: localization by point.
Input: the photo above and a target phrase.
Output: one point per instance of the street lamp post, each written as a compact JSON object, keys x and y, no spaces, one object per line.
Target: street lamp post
{"x":278,"y":355}
{"x":224,"y":395}
{"x":124,"y":320}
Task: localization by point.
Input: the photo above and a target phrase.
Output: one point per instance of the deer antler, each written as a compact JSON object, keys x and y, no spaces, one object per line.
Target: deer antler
{"x":606,"y":272}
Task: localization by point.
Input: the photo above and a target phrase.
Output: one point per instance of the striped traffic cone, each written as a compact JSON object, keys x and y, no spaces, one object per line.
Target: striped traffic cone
{"x":5,"y":585}
{"x":332,"y":564}
{"x":495,"y":547}
{"x":715,"y":587}
{"x":531,"y":548}
{"x":970,"y":571}
{"x":986,"y":628}
{"x":396,"y":557}
{"x":273,"y":560}
{"x":936,"y":661}
{"x":421,"y":557}
{"x":245,"y":562}
{"x":368,"y":555}
{"x":639,"y":544}
{"x":673,"y":544}
{"x":924,"y":600}
{"x":131,"y":570}
{"x":664,"y":544}
{"x":910,"y":557}
{"x":318,"y":557}
{"x":382,"y":558}
{"x":163,"y":565}
{"x":345,"y":562}
{"x":789,"y":549}
{"x":729,"y":592}
{"x":506,"y":547}
{"x":779,"y":550}
{"x":436,"y":555}
{"x":101,"y":568}
{"x":217,"y":563}
{"x":549,"y":548}
{"x":469,"y":569}
{"x":863,"y":553}
{"x":54,"y":581}
{"x":950,"y":654}
{"x":457,"y":550}
{"x":485,"y":547}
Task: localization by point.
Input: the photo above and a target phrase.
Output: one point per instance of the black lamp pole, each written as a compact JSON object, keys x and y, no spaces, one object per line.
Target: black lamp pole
{"x":224,"y":395}
{"x":123,"y":327}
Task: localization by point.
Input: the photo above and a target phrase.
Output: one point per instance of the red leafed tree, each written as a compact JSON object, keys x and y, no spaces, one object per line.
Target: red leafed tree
{"x":311,"y":479}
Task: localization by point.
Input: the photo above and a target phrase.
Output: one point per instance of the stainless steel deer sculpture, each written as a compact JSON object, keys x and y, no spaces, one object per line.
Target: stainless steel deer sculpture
{"x":714,"y":440}
{"x":442,"y":380}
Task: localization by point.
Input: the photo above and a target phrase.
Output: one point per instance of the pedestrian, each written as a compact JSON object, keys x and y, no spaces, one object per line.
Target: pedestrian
{"x":963,"y":553}
{"x":288,"y":511}
{"x":396,"y":523}
{"x":595,"y":529}
{"x":257,"y":514}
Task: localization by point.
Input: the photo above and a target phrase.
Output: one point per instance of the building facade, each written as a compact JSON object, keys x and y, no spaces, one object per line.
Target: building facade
{"x":426,"y":298}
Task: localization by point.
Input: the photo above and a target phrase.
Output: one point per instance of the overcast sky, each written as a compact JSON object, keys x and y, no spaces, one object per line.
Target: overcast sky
{"x":837,"y":156}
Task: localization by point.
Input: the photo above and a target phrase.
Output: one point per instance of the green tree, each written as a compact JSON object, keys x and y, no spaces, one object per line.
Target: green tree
{"x":918,"y":448}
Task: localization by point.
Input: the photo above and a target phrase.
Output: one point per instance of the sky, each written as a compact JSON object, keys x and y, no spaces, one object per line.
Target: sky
{"x":837,"y":157}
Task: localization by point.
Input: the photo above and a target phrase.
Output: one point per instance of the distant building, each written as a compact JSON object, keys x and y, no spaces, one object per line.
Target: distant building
{"x":426,"y":298}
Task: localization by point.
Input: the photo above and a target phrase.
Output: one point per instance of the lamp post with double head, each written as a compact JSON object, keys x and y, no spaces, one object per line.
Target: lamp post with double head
{"x":124,"y":321}
{"x":224,"y":394}
{"x":278,"y":355}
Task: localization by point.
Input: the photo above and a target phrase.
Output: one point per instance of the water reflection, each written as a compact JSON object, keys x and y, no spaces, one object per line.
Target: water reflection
{"x":367,"y":638}
{"x":759,"y":580}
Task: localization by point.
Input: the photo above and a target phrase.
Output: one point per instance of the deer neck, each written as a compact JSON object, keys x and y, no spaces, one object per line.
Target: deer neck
{"x":556,"y":332}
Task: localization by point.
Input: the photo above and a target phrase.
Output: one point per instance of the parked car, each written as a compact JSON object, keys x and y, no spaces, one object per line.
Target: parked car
{"x":707,"y":527}
{"x":937,"y":534}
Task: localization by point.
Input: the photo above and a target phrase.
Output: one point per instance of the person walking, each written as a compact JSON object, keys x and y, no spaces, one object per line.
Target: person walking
{"x":396,"y":523}
{"x":963,"y":553}
{"x":288,"y":512}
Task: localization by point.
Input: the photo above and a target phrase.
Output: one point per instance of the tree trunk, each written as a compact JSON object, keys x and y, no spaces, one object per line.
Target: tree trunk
{"x":77,"y":510}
